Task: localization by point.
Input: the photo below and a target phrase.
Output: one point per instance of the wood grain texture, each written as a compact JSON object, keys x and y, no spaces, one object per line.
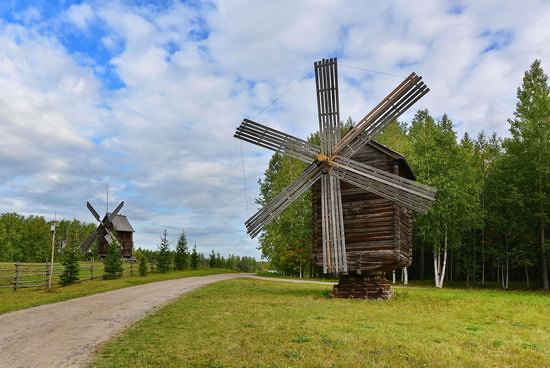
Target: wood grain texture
{"x":378,"y":233}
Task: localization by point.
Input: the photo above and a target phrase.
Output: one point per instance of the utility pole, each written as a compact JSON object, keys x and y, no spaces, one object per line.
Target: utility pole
{"x":53,"y":252}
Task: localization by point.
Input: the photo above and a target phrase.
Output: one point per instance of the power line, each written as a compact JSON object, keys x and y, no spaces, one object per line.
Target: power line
{"x":372,"y":71}
{"x":278,"y":98}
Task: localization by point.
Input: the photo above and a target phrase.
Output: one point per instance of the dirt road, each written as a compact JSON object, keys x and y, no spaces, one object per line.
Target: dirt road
{"x":65,"y":334}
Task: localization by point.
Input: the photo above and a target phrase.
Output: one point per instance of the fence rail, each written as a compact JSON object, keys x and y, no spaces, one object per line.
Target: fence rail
{"x":34,"y":275}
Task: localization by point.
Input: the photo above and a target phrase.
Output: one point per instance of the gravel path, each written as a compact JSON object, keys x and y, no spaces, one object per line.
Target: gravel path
{"x":65,"y":334}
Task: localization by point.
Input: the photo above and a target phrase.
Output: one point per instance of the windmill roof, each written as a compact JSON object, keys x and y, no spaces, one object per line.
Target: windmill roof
{"x":121,"y":223}
{"x":402,"y":162}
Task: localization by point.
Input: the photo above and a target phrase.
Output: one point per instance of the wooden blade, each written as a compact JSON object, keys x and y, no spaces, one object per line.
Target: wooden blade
{"x":271,"y":210}
{"x":389,"y":109}
{"x":405,"y":192}
{"x":334,"y":245}
{"x":263,"y":136}
{"x":328,"y":103}
{"x":93,"y":211}
{"x":114,"y":213}
{"x":85,"y":246}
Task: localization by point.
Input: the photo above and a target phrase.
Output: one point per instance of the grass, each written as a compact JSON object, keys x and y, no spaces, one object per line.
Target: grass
{"x":254,"y":323}
{"x":25,"y":298}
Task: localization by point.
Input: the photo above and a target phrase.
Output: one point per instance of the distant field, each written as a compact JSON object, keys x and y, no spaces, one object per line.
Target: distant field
{"x":24,"y":298}
{"x":251,"y":323}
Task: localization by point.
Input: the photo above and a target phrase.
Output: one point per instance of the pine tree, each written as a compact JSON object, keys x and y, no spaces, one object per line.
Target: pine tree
{"x":163,"y":259}
{"x":181,"y":259}
{"x":112,"y":265}
{"x":143,"y":266}
{"x":71,"y":268}
{"x":212,"y":260}
{"x":194,"y":258}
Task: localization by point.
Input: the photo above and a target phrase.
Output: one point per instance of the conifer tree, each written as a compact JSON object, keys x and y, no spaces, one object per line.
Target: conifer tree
{"x":143,"y":266}
{"x":112,"y":265}
{"x":194,"y":258}
{"x":71,"y":268}
{"x":181,"y":258}
{"x":163,"y":259}
{"x":212,"y":260}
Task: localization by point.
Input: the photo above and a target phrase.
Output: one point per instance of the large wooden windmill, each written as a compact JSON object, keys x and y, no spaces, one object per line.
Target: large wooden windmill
{"x":332,"y":162}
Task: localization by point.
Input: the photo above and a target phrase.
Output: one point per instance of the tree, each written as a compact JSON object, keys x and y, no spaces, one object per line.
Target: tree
{"x":71,"y":265}
{"x":164,"y":255}
{"x":212,"y":259}
{"x":530,"y":146}
{"x":437,"y":161}
{"x":143,"y":266}
{"x":194,"y":258}
{"x":112,"y":265}
{"x":181,"y":259}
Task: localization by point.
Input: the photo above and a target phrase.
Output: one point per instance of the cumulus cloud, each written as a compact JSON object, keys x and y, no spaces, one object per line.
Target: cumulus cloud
{"x":145,"y":98}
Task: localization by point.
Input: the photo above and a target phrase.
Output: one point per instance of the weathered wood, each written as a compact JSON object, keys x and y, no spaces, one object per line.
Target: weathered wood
{"x":377,"y":231}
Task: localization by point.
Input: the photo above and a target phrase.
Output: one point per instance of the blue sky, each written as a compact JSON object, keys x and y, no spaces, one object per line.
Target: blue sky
{"x":145,"y":96}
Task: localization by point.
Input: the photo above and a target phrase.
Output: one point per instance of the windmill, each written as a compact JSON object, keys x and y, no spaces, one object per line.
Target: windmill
{"x":104,"y":225}
{"x":331,"y":162}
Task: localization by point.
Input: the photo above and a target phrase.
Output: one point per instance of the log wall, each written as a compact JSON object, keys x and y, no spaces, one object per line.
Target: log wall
{"x":378,"y":232}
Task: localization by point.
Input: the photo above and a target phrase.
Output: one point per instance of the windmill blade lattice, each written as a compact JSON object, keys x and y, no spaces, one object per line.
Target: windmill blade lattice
{"x":331,"y":163}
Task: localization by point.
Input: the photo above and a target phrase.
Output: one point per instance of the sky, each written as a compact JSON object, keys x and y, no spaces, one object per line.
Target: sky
{"x":143,"y":97}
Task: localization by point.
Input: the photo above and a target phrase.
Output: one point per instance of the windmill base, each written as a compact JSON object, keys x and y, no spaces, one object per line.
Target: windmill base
{"x":372,"y":285}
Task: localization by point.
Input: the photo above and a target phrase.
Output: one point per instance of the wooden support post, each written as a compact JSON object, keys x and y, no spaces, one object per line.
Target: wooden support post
{"x":131,"y":268}
{"x":16,"y":276}
{"x":51,"y":259}
{"x":47,"y":265}
{"x":91,"y":268}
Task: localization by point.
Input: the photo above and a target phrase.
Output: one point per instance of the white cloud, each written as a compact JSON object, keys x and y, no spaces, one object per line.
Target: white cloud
{"x":80,"y":15}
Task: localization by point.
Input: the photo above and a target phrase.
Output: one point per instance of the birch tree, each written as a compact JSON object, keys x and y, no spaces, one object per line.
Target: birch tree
{"x":530,"y":145}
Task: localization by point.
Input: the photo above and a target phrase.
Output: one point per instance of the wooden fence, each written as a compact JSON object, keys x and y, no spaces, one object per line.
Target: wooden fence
{"x":31,"y":275}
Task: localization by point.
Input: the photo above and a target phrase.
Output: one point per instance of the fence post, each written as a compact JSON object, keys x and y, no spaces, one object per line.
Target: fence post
{"x":91,"y":268}
{"x":47,"y":272}
{"x":131,"y":268}
{"x":16,"y":276}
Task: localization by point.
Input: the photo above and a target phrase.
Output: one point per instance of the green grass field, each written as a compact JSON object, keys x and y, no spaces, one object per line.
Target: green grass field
{"x":253,"y":323}
{"x":24,"y":298}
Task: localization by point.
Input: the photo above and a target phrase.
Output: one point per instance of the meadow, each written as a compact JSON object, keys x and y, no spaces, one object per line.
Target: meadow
{"x":255,"y":323}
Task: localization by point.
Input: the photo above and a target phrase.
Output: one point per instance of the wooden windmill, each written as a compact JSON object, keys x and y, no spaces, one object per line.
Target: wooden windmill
{"x":332,"y":162}
{"x":103,"y":233}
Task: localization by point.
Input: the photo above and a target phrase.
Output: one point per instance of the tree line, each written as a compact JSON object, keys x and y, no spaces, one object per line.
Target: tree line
{"x":29,"y":239}
{"x":490,"y":220}
{"x":183,"y":258}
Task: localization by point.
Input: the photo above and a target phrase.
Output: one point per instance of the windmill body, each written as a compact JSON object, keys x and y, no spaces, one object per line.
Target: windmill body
{"x":124,"y":236}
{"x":331,"y":165}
